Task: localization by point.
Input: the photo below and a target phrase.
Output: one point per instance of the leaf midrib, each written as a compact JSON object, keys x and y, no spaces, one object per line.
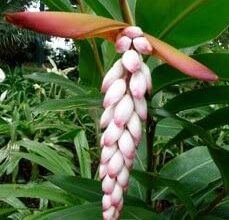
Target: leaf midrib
{"x":185,"y":174}
{"x":180,"y":17}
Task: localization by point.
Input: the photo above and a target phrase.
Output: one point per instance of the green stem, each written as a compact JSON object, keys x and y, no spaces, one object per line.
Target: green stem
{"x":93,"y":45}
{"x":150,"y":133}
{"x":126,"y":13}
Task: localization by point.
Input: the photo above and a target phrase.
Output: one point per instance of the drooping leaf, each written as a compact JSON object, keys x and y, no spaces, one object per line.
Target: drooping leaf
{"x":183,"y":23}
{"x":166,"y":75}
{"x":213,"y":120}
{"x":59,"y":80}
{"x":68,"y":25}
{"x":34,"y":190}
{"x":85,"y":101}
{"x":154,"y":181}
{"x":197,"y":98}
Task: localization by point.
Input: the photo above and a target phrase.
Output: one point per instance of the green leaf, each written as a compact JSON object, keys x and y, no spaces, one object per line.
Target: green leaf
{"x":34,"y":190}
{"x":194,"y":169}
{"x":165,"y":75}
{"x":93,"y":211}
{"x":154,"y":181}
{"x":221,"y":158}
{"x":59,"y":5}
{"x":85,"y":102}
{"x":113,"y":8}
{"x":59,"y":80}
{"x":136,"y":213}
{"x":213,"y":120}
{"x":89,"y":73}
{"x":197,"y":98}
{"x":98,"y":8}
{"x":183,"y":23}
{"x":83,"y":154}
{"x":87,"y":189}
{"x":47,"y":157}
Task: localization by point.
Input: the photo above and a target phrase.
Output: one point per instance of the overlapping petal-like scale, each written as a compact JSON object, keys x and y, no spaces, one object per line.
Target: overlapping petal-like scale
{"x":123,"y":44}
{"x":138,"y":85}
{"x":114,"y":73}
{"x":114,"y":93}
{"x":123,"y":110}
{"x":142,"y":45}
{"x":131,"y":61}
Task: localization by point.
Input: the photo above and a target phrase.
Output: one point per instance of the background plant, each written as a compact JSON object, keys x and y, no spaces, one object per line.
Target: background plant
{"x":188,"y":121}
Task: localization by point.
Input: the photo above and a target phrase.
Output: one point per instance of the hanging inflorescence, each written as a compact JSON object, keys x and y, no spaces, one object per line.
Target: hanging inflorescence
{"x":125,"y":86}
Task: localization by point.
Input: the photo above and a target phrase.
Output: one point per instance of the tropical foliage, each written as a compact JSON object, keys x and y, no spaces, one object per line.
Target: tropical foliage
{"x":50,"y":133}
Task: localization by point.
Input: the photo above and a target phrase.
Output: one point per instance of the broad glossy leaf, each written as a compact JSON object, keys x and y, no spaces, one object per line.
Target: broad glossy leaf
{"x":59,"y":5}
{"x":59,"y":80}
{"x":195,"y":169}
{"x":181,"y":61}
{"x":213,"y":120}
{"x":85,"y":101}
{"x":68,"y":25}
{"x":197,"y":98}
{"x":165,"y":75}
{"x":34,"y":190}
{"x":155,"y":181}
{"x":183,"y":23}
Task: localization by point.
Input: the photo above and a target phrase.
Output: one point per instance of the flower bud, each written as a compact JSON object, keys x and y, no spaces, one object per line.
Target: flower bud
{"x":123,"y":44}
{"x":141,"y":108}
{"x":128,"y":162}
{"x":106,"y":201}
{"x":123,"y":111}
{"x":108,"y":184}
{"x":123,"y":177}
{"x":108,"y":214}
{"x":116,"y":195}
{"x":107,"y":117}
{"x":131,"y":61}
{"x":126,"y":145}
{"x":142,"y":45}
{"x":138,"y":85}
{"x":115,"y":164}
{"x":2,"y":75}
{"x":133,"y":32}
{"x":134,"y":126}
{"x":108,"y":152}
{"x":114,"y":93}
{"x":113,"y":74}
{"x":146,"y":71}
{"x":112,"y":134}
{"x":102,"y":171}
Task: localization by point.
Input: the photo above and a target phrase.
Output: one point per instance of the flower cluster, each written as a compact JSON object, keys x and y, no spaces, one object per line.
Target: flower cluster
{"x":125,"y":105}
